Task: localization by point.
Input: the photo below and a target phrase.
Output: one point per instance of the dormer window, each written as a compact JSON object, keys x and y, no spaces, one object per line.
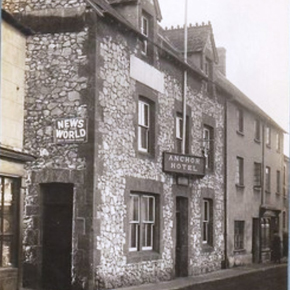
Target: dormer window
{"x":145,"y":32}
{"x":145,"y":26}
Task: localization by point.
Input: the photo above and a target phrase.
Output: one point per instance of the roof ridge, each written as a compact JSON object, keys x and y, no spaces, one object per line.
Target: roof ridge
{"x":190,"y":26}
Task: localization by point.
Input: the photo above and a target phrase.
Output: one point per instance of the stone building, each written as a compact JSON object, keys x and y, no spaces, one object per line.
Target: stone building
{"x":12,"y":154}
{"x":111,"y":200}
{"x":256,"y":199}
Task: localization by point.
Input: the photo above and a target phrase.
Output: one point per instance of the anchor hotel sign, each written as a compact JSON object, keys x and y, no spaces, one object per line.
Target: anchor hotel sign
{"x":183,"y":164}
{"x":71,"y":130}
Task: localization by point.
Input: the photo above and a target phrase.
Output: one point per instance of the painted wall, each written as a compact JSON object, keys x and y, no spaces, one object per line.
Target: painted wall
{"x":12,"y":87}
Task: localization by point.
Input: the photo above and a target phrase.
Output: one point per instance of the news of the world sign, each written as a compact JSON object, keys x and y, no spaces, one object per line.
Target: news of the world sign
{"x":70,"y":130}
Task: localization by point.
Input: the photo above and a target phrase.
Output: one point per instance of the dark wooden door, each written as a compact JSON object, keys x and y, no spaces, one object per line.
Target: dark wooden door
{"x":57,"y":236}
{"x":181,"y":259}
{"x":256,"y":240}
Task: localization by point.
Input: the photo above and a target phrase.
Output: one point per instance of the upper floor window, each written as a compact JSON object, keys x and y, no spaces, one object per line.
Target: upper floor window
{"x":142,"y":212}
{"x":278,"y":142}
{"x":9,"y":221}
{"x":278,"y":181}
{"x":240,"y":171}
{"x":268,"y":179}
{"x":207,"y":222}
{"x":284,"y":181}
{"x":257,"y":130}
{"x":257,"y":174}
{"x":240,"y":120}
{"x":179,"y":134}
{"x":268,"y":136}
{"x":239,"y":235}
{"x":208,"y":146}
{"x":143,"y":126}
{"x":145,"y":32}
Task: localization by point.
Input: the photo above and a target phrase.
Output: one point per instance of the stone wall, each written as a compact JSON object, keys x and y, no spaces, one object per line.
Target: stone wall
{"x":15,"y":6}
{"x":59,"y":84}
{"x":120,"y":160}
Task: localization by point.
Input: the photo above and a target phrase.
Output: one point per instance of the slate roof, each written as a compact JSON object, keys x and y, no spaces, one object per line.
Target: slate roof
{"x":197,"y":37}
{"x":242,"y":99}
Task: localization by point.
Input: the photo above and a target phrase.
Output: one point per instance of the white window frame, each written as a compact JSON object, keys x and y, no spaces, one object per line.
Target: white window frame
{"x":142,"y":222}
{"x":144,"y":29}
{"x":136,"y":222}
{"x":142,"y":125}
{"x":206,"y":134}
{"x":206,"y":221}
{"x":146,"y":223}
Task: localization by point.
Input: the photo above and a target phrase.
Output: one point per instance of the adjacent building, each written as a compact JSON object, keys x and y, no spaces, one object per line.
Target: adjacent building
{"x":256,"y":176}
{"x":12,"y":154}
{"x":131,"y":179}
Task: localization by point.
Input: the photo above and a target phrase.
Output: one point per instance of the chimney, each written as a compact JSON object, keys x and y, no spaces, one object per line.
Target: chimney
{"x":221,"y":66}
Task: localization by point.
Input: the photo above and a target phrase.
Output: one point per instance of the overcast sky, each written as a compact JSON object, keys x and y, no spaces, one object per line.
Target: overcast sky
{"x":255,"y":34}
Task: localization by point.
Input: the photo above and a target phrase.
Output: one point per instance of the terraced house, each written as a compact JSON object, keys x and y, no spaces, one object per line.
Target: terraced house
{"x":127,"y":180}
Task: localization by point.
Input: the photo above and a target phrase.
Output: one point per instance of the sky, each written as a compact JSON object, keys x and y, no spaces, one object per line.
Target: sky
{"x":255,"y":34}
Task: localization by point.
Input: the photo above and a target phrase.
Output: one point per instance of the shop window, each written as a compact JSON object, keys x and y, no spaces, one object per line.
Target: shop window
{"x":207,"y":222}
{"x":257,"y":130}
{"x":239,"y":235}
{"x":240,"y":121}
{"x":240,"y":171}
{"x":208,"y":147}
{"x":9,"y":194}
{"x":268,"y":137}
{"x":257,"y":175}
{"x":143,"y":227}
{"x":268,"y":179}
{"x":265,"y":233}
{"x":278,"y":181}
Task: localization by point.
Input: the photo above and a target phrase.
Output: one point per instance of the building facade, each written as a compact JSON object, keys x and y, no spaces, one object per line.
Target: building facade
{"x":110,"y":199}
{"x":12,"y":154}
{"x":256,"y":174}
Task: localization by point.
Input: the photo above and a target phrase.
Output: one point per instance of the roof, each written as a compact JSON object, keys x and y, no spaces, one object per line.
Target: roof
{"x":242,"y":99}
{"x":197,"y":37}
{"x":156,"y":3}
{"x":16,"y":24}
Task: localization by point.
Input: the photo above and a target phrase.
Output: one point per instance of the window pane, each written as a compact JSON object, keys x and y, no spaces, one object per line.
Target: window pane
{"x":144,"y":137}
{"x":205,"y":231}
{"x":134,"y":208}
{"x":147,"y":232}
{"x":6,"y":252}
{"x":134,"y":236}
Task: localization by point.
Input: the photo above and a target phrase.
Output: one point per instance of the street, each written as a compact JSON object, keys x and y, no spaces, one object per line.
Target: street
{"x":270,"y":279}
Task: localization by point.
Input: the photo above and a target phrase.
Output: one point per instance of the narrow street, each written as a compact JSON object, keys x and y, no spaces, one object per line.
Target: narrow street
{"x":270,"y":279}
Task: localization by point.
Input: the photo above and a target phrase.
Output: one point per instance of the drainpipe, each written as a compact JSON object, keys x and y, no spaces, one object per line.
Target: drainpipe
{"x":262,"y":191}
{"x":225,"y":266}
{"x":184,"y":83}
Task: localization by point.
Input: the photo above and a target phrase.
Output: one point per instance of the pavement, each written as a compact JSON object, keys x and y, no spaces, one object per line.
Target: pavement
{"x":187,"y":282}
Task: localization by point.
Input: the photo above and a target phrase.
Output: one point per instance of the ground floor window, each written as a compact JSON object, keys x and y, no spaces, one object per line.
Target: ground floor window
{"x":9,"y":195}
{"x":265,"y":233}
{"x":239,"y":235}
{"x":143,"y":227}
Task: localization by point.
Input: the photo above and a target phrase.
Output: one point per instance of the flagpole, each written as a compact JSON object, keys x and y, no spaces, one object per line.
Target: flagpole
{"x":184,"y":83}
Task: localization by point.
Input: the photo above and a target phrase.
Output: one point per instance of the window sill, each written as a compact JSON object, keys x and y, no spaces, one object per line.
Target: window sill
{"x":146,"y":155}
{"x":268,"y":146}
{"x":267,"y":191}
{"x":240,"y":133}
{"x":241,"y":186}
{"x":137,"y":257}
{"x":278,"y":193}
{"x":240,"y":252}
{"x":257,"y":141}
{"x":257,"y":188}
{"x":206,"y":248}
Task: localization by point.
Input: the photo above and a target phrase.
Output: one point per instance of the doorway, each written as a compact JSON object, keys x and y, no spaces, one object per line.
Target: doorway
{"x":181,"y":253}
{"x":57,"y":236}
{"x":256,"y":240}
